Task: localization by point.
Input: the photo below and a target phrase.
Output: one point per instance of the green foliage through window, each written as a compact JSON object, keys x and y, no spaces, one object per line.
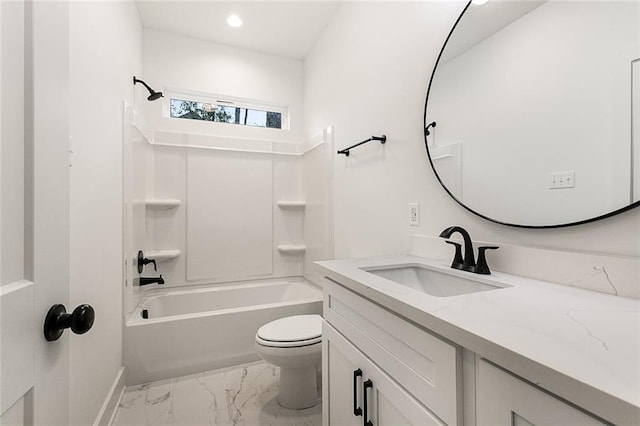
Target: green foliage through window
{"x":204,"y":111}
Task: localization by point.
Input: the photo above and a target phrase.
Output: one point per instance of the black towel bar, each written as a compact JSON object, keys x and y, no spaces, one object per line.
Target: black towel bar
{"x":382,"y":139}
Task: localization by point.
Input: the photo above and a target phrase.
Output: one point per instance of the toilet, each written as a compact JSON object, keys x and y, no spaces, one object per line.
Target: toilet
{"x":295,"y":345}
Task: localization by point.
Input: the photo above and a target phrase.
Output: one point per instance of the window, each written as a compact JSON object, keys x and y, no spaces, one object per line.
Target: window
{"x":233,"y":111}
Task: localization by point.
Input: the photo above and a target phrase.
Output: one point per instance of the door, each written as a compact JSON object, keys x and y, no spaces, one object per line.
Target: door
{"x":34,"y":210}
{"x":503,"y":399}
{"x":388,"y":403}
{"x":342,"y":377}
{"x":635,"y":130}
{"x":354,"y":388}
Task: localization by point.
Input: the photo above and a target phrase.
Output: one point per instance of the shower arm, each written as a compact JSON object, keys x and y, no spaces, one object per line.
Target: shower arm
{"x":136,"y":80}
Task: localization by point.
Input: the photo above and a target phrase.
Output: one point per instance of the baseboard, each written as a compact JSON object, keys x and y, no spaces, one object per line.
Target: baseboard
{"x":111,"y":402}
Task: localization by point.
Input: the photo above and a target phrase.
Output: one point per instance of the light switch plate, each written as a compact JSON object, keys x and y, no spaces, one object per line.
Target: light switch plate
{"x":414,"y":214}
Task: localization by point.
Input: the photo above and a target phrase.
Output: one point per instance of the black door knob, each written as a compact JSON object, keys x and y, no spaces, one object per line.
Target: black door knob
{"x":57,"y":319}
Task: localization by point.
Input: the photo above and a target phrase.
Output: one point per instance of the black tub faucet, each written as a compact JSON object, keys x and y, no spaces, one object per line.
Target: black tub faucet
{"x":151,"y":280}
{"x":468,"y":262}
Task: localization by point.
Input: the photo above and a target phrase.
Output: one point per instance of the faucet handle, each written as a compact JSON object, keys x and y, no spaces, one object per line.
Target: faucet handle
{"x":457,"y":258}
{"x":482,"y":267}
{"x":143,"y":261}
{"x":147,"y":261}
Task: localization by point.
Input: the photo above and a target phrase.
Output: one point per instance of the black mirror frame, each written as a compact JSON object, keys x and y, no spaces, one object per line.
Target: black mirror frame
{"x":514,"y":225}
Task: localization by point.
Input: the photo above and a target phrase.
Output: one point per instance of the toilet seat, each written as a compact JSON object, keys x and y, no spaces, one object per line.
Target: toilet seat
{"x":289,"y":332}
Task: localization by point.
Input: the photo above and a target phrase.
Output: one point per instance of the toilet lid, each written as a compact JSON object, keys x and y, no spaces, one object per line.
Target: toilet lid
{"x":296,"y":328}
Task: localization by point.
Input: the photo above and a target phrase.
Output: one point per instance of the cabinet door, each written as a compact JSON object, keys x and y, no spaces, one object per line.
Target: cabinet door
{"x":503,"y":399}
{"x":389,"y":404}
{"x":340,"y":359}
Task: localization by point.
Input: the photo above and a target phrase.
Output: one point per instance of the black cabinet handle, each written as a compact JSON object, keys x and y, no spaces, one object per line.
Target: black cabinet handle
{"x":357,"y":411}
{"x":57,"y":319}
{"x":366,"y":385}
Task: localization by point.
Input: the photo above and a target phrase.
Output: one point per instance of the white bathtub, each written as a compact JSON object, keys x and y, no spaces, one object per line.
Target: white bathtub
{"x":204,"y":328}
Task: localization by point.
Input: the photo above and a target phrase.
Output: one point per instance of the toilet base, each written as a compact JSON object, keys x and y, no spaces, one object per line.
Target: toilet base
{"x":298,"y":388}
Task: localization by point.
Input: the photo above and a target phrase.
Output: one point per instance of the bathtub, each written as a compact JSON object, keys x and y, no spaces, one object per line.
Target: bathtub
{"x":210,"y":327}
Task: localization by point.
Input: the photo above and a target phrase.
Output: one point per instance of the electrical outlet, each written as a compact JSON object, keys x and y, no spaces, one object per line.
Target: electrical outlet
{"x":560,"y":180}
{"x":414,"y":214}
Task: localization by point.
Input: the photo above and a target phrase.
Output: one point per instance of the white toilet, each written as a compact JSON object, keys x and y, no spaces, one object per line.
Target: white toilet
{"x":295,"y":345}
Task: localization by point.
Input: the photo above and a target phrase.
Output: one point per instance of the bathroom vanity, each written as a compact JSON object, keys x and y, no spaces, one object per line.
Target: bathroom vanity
{"x":407,"y":340}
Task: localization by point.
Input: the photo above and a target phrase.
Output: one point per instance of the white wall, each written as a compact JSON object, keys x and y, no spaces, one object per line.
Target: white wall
{"x":105,"y":52}
{"x":367,"y":75}
{"x":172,"y":61}
{"x":523,"y":119}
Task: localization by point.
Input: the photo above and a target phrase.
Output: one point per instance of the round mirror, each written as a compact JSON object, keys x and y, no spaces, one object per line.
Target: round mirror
{"x":536,"y":106}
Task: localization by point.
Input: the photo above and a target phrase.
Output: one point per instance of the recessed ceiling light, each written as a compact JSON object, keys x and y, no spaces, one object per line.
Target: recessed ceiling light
{"x":234,"y":21}
{"x":479,"y":2}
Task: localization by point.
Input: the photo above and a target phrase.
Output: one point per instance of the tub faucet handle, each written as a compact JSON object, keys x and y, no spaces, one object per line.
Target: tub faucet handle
{"x":147,"y":261}
{"x":143,"y":261}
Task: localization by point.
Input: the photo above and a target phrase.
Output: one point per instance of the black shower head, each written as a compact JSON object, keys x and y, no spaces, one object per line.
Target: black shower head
{"x":153,"y":95}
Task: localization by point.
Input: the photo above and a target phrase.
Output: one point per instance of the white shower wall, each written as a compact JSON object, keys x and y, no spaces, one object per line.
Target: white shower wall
{"x":228,"y":225}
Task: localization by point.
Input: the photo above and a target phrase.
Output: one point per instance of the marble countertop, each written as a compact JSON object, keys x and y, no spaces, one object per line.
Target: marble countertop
{"x":581,"y":345}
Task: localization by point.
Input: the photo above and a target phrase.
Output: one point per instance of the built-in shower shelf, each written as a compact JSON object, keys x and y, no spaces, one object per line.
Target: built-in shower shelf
{"x":161,"y":204}
{"x":292,"y":204}
{"x":162,"y":255}
{"x":292,"y":248}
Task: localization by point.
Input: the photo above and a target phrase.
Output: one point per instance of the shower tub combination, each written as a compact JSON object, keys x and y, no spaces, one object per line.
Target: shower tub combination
{"x":207,"y":327}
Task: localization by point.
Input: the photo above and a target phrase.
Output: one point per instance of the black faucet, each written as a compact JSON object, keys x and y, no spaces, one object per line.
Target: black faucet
{"x":467,"y":263}
{"x":151,"y":280}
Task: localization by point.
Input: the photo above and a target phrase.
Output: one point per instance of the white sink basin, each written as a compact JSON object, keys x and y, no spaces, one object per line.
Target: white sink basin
{"x":430,"y":281}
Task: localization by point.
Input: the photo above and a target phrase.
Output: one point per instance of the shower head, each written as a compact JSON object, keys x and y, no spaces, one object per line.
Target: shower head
{"x":153,"y":95}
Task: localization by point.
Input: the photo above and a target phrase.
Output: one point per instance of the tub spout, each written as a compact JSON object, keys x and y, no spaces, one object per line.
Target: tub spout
{"x":151,"y":280}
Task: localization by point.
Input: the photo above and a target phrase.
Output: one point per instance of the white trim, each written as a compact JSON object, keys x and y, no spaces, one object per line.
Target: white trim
{"x":107,"y":413}
{"x":161,"y":203}
{"x":225,"y":149}
{"x":214,"y":97}
{"x":312,"y":148}
{"x":14,"y":286}
{"x":151,"y":140}
{"x":440,"y":157}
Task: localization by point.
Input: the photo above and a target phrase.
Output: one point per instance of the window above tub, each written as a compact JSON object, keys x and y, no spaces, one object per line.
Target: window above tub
{"x":225,"y":109}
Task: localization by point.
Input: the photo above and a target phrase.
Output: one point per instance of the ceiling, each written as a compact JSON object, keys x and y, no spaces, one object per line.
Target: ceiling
{"x":283,"y":28}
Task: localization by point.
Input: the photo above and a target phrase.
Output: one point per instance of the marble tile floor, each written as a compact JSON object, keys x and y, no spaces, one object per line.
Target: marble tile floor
{"x":243,"y":395}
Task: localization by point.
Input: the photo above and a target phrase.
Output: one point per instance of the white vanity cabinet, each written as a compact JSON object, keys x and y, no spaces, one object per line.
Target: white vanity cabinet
{"x":357,"y":392}
{"x":503,"y":399}
{"x":414,"y":375}
{"x":526,"y":352}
